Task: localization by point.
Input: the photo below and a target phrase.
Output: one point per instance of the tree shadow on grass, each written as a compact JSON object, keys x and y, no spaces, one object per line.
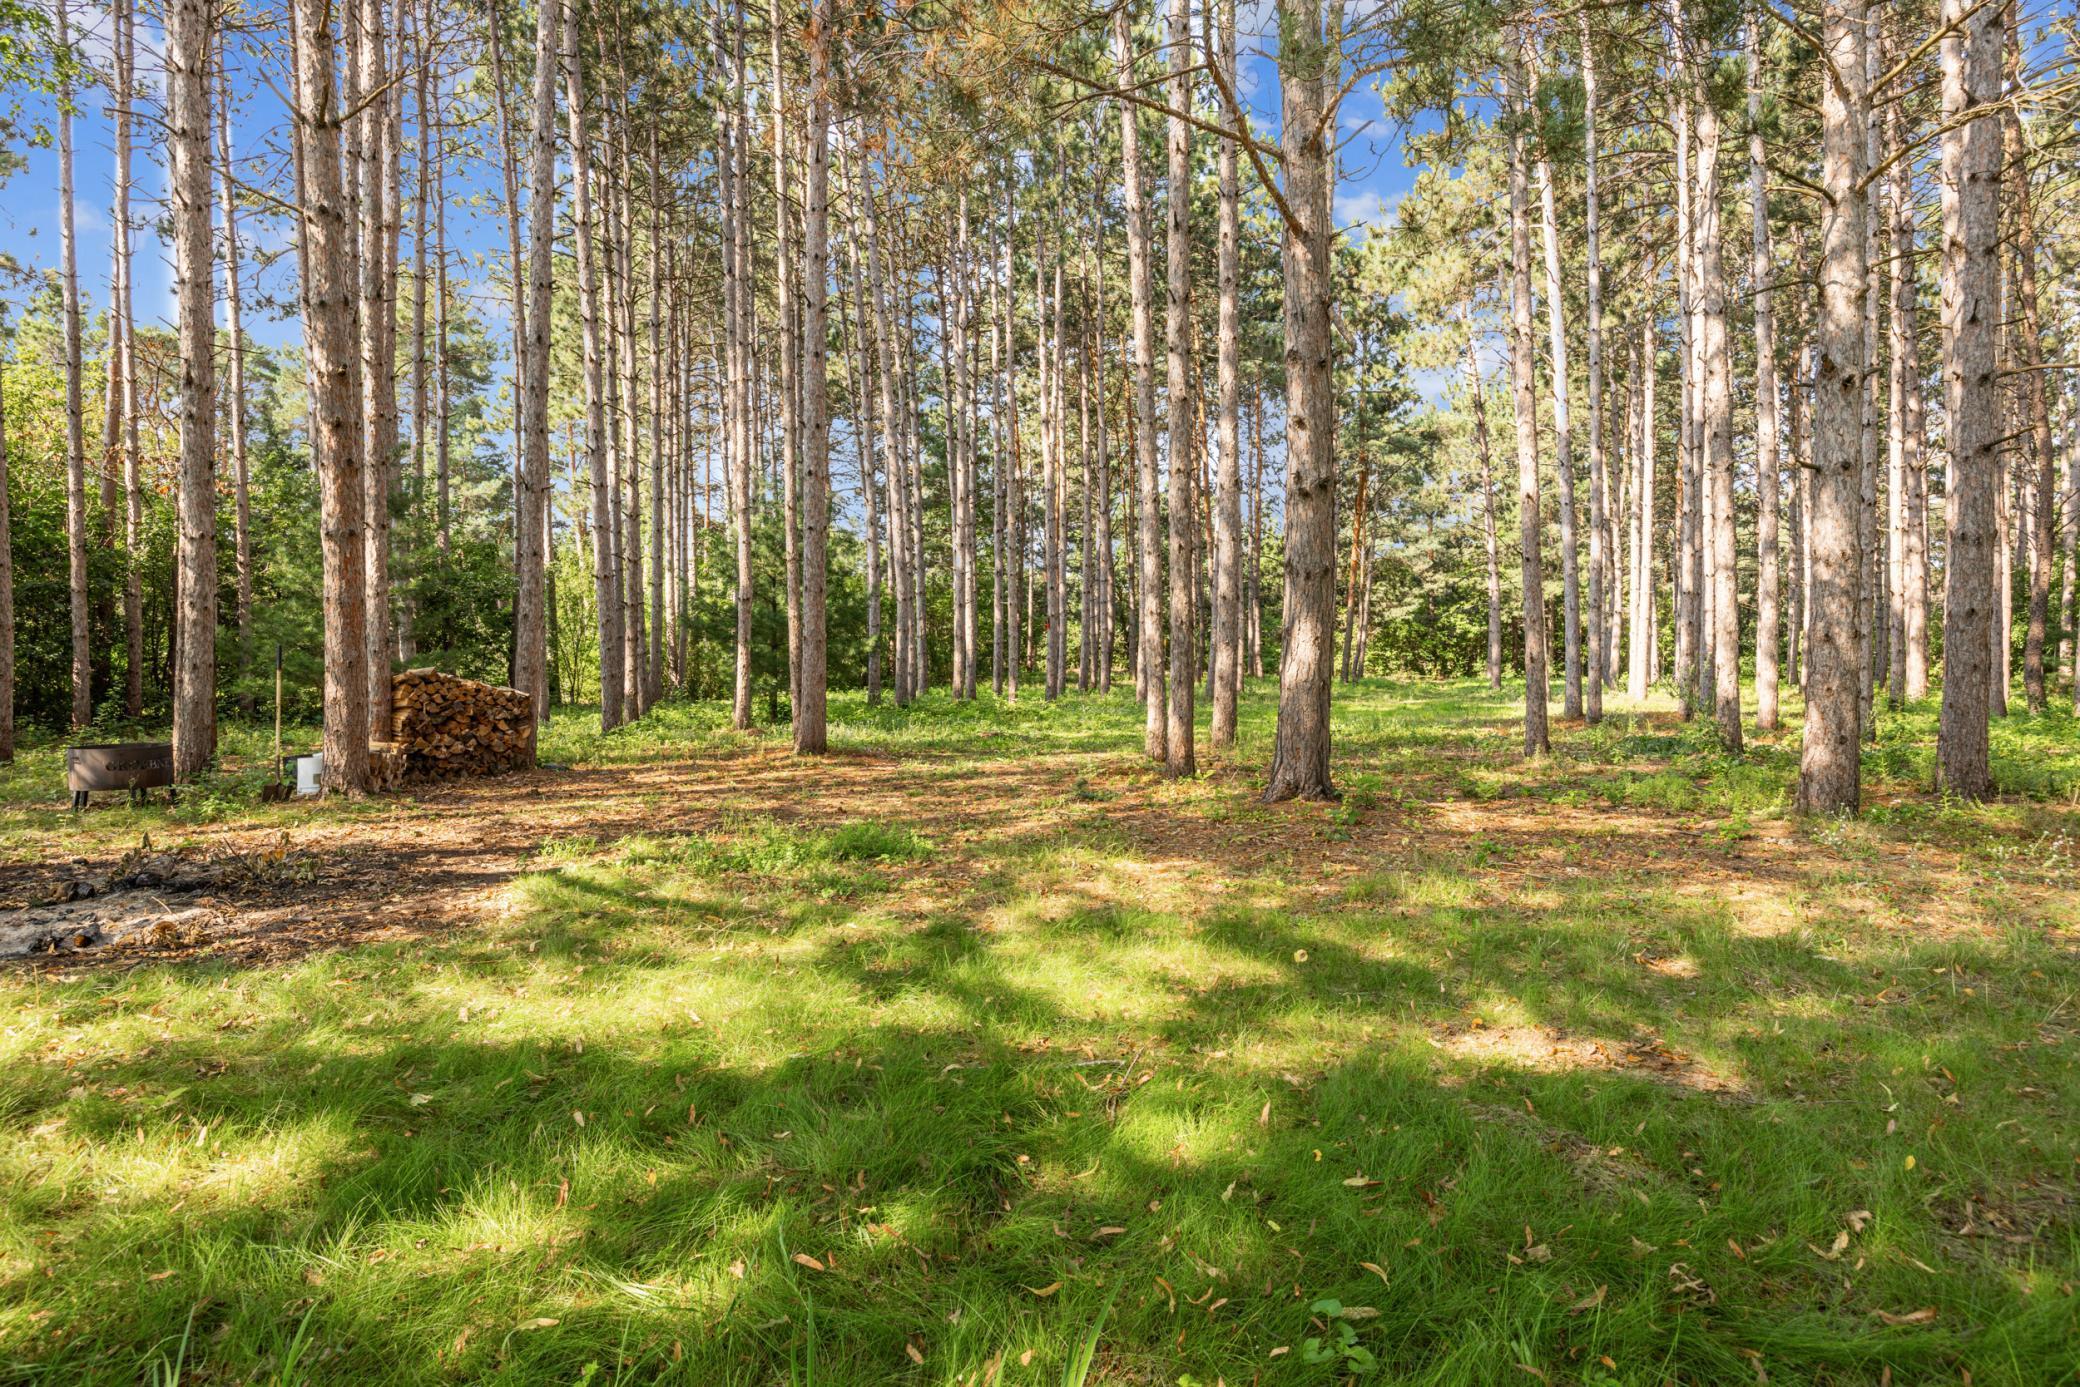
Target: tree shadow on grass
{"x":426,"y":1233}
{"x":959,"y":1131}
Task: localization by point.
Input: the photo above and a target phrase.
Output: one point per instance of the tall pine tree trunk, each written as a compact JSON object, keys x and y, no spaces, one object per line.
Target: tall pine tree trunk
{"x":1913,"y":470}
{"x":2039,"y":479}
{"x":1227,"y":486}
{"x":1971,"y":192}
{"x":1762,"y":274}
{"x":188,"y":49}
{"x":1714,"y":388}
{"x":1687,"y":566}
{"x":1178,"y":758}
{"x":1563,"y":447}
{"x":331,"y":348}
{"x":898,"y":526}
{"x":1643,"y":639}
{"x":660,"y":423}
{"x":532,"y":541}
{"x":6,"y":597}
{"x":120,"y":436}
{"x":1101,"y":538}
{"x":1310,"y":62}
{"x":809,"y":732}
{"x":1598,"y":653}
{"x":235,"y":367}
{"x":1148,"y":664}
{"x":1477,"y":395}
{"x":999,"y":367}
{"x":1830,"y":764}
{"x":860,"y":388}
{"x":790,"y":335}
{"x":378,"y":343}
{"x":75,"y":437}
{"x":605,"y":573}
{"x":1524,"y":403}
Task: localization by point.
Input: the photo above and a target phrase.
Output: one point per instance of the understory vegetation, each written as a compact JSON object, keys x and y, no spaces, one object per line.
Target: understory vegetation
{"x":978,"y":1042}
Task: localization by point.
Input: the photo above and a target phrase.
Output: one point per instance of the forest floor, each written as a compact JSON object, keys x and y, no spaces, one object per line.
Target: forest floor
{"x":977,"y":1043}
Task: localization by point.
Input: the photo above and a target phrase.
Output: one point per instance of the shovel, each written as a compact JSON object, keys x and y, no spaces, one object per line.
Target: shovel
{"x":269,"y":794}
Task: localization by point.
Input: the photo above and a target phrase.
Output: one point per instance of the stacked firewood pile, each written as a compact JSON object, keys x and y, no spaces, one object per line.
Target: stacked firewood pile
{"x":387,"y":766}
{"x":443,"y":728}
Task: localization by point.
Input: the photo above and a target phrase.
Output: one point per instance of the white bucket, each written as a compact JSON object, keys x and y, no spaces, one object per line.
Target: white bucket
{"x":308,"y":769}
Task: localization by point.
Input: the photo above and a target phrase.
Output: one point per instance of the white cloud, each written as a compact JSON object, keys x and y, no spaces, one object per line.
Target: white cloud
{"x":1364,"y":209}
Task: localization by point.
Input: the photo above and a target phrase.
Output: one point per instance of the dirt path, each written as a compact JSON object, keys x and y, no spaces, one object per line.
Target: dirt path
{"x":438,"y":858}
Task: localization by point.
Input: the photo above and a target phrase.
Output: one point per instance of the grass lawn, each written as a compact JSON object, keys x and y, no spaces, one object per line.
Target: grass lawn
{"x":977,"y":1045}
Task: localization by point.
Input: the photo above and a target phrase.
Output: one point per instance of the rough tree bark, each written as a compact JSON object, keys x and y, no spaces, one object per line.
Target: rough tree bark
{"x":120,"y":435}
{"x":736,"y":463}
{"x":1761,"y":274}
{"x":1148,"y":663}
{"x":1563,"y":434}
{"x":235,"y":367}
{"x":1310,"y":62}
{"x":1102,"y":627}
{"x":661,"y":423}
{"x":75,"y":437}
{"x":1227,"y":511}
{"x":2039,"y":480}
{"x":331,"y":351}
{"x":862,"y":392}
{"x":1598,"y":653}
{"x":378,"y":348}
{"x":1913,"y":469}
{"x":898,"y":527}
{"x":809,"y":732}
{"x":188,"y":49}
{"x":1715,"y":404}
{"x":1971,"y":192}
{"x":531,"y":537}
{"x":999,"y":359}
{"x":1830,"y":765}
{"x":1524,"y":402}
{"x":1477,"y":396}
{"x":1643,"y":639}
{"x":789,"y":326}
{"x":1178,"y":749}
{"x":606,"y":577}
{"x":6,"y":598}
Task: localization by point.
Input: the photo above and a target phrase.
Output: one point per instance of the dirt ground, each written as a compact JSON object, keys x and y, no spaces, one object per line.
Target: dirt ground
{"x":436,"y":858}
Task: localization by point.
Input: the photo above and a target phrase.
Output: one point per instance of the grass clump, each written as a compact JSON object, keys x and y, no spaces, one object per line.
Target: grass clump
{"x":1000,"y":1060}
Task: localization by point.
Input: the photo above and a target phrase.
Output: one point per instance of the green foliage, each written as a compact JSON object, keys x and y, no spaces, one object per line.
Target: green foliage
{"x":1341,"y":1346}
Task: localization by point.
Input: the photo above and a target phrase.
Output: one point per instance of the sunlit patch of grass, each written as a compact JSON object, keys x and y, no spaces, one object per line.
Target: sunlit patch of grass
{"x":1113,"y":1068}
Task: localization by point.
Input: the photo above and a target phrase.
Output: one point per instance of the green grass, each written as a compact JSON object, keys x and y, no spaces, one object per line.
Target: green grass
{"x":980,"y":1054}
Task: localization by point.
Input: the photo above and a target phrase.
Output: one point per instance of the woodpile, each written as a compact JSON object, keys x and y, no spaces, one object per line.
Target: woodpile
{"x":387,"y":766}
{"x":444,"y":728}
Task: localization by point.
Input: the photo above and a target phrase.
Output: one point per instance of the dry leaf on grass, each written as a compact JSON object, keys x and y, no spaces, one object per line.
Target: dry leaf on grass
{"x":1833,"y":1252}
{"x":1924,"y":1315}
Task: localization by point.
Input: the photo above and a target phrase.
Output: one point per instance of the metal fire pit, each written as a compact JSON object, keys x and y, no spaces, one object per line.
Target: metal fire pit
{"x":133,"y":766}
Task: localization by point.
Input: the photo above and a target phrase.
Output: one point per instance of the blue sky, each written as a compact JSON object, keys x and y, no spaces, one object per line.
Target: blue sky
{"x":1375,"y":178}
